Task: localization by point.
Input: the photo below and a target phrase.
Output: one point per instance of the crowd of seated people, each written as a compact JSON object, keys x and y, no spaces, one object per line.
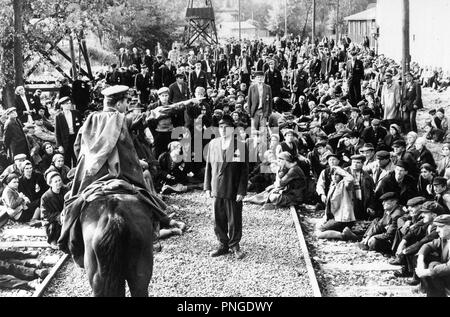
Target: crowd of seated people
{"x":342,"y":137}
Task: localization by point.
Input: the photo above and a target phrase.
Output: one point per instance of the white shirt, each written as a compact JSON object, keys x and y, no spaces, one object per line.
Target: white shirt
{"x":27,"y":106}
{"x":261,"y":93}
{"x":68,"y":115}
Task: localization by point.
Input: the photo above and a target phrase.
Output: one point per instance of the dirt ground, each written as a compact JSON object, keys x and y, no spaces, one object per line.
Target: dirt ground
{"x":433,"y":100}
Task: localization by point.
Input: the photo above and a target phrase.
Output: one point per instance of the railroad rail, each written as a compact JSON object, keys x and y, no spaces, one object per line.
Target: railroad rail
{"x":341,"y":269}
{"x":17,"y":237}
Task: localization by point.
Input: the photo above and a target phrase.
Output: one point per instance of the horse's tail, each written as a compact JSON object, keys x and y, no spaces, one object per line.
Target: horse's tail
{"x":109,"y":248}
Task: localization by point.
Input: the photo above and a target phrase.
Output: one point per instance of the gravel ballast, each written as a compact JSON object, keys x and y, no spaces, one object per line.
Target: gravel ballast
{"x":273,"y":265}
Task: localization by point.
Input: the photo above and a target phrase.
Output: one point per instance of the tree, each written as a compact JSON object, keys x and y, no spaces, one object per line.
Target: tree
{"x":274,"y":19}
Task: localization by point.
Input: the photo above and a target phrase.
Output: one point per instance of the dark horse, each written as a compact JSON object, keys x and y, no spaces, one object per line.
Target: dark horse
{"x":118,"y":245}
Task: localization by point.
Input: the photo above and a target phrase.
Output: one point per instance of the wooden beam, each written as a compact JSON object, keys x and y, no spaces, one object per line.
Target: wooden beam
{"x":362,"y":267}
{"x":61,"y":52}
{"x":25,"y":244}
{"x":50,"y":276}
{"x":28,"y":232}
{"x":57,"y":67}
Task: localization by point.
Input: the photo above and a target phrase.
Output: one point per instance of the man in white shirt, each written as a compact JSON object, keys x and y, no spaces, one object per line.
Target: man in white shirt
{"x":23,"y":106}
{"x":67,"y":124}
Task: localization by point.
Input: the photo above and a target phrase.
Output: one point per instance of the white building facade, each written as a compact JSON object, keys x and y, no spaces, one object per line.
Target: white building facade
{"x":429,"y":31}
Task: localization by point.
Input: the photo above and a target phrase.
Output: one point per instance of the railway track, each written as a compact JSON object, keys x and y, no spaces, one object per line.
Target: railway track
{"x":16,"y":237}
{"x":340,"y":268}
{"x":334,"y":268}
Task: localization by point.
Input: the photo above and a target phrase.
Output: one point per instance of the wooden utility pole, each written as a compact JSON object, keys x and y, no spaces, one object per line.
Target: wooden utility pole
{"x":313,"y":35}
{"x":239,"y":18}
{"x":405,"y":34}
{"x":72,"y":57}
{"x":18,"y":37}
{"x":337,"y":23}
{"x":285,"y":19}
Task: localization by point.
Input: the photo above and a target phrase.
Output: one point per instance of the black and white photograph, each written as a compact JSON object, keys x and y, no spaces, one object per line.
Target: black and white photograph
{"x":224,"y":155}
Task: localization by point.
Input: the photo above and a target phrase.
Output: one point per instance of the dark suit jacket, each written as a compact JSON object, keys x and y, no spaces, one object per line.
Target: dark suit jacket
{"x":355,"y":74}
{"x":249,"y":64}
{"x":299,"y":82}
{"x":195,"y":81}
{"x":275,"y":81}
{"x":20,"y":106}
{"x":253,"y":100}
{"x":358,"y":126}
{"x":62,"y":128}
{"x":412,"y":97}
{"x":221,"y":69}
{"x":226,"y":177}
{"x":175,"y":95}
{"x":376,"y":138}
{"x":15,"y":140}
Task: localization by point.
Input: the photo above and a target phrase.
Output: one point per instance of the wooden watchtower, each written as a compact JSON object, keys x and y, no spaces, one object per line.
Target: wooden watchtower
{"x":201,"y":22}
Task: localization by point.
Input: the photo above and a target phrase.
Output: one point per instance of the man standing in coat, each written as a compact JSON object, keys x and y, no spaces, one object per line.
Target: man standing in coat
{"x":14,"y":137}
{"x":67,"y":124}
{"x":221,"y":69}
{"x":226,"y":178}
{"x":25,"y":106}
{"x":435,"y":280}
{"x":260,"y":102}
{"x":299,"y":82}
{"x":412,"y":101}
{"x":390,"y":99}
{"x":273,"y":78}
{"x":197,"y":78}
{"x":355,"y":73}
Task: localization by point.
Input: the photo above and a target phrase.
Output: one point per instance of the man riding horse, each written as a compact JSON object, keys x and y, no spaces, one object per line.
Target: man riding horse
{"x":109,"y":177}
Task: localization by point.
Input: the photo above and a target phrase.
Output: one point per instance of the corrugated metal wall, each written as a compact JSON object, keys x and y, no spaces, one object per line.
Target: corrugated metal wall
{"x":429,"y":31}
{"x":357,"y":30}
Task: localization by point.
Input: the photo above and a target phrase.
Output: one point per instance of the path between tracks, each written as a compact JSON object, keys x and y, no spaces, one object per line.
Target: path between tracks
{"x":273,"y":267}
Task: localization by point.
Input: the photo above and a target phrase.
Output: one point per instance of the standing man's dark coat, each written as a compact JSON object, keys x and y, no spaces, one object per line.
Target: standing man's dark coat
{"x":15,"y":140}
{"x":64,"y":138}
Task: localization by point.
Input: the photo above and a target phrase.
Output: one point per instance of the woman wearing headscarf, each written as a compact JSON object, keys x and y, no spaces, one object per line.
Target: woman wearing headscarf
{"x":59,"y":167}
{"x":393,"y":135}
{"x":17,"y":203}
{"x":289,"y":187}
{"x":411,"y":138}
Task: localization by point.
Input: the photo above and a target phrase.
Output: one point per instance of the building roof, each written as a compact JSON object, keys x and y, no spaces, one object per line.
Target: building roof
{"x":367,"y":15}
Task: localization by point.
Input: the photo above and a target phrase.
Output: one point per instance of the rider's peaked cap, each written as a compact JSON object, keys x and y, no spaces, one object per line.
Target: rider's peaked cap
{"x":115,"y":92}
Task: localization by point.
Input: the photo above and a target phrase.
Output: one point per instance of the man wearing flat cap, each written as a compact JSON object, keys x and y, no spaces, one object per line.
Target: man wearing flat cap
{"x":363,"y":187}
{"x":400,"y":154}
{"x":391,"y":99}
{"x":298,"y":82}
{"x":14,"y":137}
{"x":412,"y":101}
{"x":67,"y":124}
{"x":355,"y":123}
{"x":375,"y":134}
{"x":409,"y":231}
{"x":260,"y":102}
{"x":142,"y":83}
{"x":226,"y":179}
{"x":435,"y":277}
{"x":383,"y":167}
{"x":381,"y":232}
{"x":442,"y":192}
{"x":398,"y":182}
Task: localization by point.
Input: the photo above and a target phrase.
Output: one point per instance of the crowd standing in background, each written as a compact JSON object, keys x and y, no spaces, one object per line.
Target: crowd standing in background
{"x":325,"y":123}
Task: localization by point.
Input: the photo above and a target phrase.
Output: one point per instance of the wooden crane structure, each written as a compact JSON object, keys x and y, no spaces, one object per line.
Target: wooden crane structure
{"x":201,"y":22}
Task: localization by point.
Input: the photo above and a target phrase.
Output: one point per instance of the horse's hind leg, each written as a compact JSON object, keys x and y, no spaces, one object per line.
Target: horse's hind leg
{"x":101,"y":259}
{"x":139,"y":271}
